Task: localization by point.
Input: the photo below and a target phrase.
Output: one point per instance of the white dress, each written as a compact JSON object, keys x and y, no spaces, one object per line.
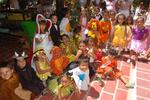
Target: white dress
{"x":46,"y":44}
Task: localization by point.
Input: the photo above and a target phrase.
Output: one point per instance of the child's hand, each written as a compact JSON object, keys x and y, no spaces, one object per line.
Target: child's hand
{"x":79,"y":52}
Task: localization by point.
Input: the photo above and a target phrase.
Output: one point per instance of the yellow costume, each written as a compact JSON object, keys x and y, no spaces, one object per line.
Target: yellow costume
{"x":69,"y":50}
{"x":119,"y":39}
{"x":43,"y":66}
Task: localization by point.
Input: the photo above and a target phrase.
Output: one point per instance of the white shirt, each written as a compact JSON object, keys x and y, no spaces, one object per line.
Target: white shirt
{"x":81,"y":84}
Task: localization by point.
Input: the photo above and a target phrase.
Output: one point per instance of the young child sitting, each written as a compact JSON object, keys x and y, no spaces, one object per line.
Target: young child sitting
{"x":61,"y":87}
{"x":68,"y":47}
{"x":10,"y":83}
{"x":81,"y":74}
{"x":27,"y":75}
{"x":109,"y":70}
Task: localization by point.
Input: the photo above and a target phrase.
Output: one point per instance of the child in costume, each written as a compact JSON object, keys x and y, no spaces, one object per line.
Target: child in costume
{"x":10,"y":83}
{"x":139,"y":36}
{"x":27,"y":75}
{"x":93,"y":29}
{"x":68,"y":47}
{"x":61,"y":87}
{"x":65,"y":27}
{"x":58,"y":62}
{"x":108,"y":69}
{"x":77,"y":35}
{"x":42,"y":65}
{"x":138,"y":39}
{"x":129,"y":22}
{"x":82,"y":50}
{"x":112,"y":14}
{"x":94,"y":53}
{"x":121,"y":33}
{"x":83,"y":22}
{"x":81,"y":74}
{"x":42,"y":37}
{"x":104,"y":28}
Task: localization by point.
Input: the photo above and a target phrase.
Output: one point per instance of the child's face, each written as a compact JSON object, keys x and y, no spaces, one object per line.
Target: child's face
{"x":91,"y":43}
{"x":54,"y":19}
{"x":6,"y":73}
{"x":106,"y":15}
{"x":121,"y":19}
{"x":65,"y":39}
{"x":21,"y":63}
{"x":129,"y":21}
{"x":140,"y":22}
{"x":83,"y":66}
{"x":41,"y":54}
{"x":112,"y":15}
{"x":64,"y":81}
{"x":82,"y":46}
{"x":42,"y":27}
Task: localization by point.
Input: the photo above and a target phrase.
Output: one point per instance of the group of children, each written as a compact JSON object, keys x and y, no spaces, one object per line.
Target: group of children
{"x":69,"y":61}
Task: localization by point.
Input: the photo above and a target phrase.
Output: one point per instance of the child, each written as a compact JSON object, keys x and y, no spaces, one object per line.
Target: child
{"x":65,"y":27}
{"x":68,"y":47}
{"x":139,"y":36}
{"x":66,"y":87}
{"x":81,"y":74}
{"x":62,"y":87}
{"x":42,"y":38}
{"x":10,"y":83}
{"x":27,"y":75}
{"x":82,"y":51}
{"x":42,"y":65}
{"x":55,"y":31}
{"x":58,"y":62}
{"x":113,"y":22}
{"x":108,"y":69}
{"x":83,"y":22}
{"x":120,"y":33}
{"x":104,"y":29}
{"x":94,"y":53}
{"x":77,"y":35}
{"x":129,"y":21}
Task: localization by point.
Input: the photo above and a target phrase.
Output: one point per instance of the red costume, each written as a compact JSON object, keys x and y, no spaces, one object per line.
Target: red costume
{"x":109,"y":64}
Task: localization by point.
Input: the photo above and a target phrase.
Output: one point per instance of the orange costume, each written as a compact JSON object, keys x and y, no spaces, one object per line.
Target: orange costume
{"x":93,"y":26}
{"x":58,"y":62}
{"x":109,"y":64}
{"x":7,"y":88}
{"x":105,"y":30}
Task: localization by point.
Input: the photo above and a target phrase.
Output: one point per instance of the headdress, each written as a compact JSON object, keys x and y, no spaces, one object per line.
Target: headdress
{"x":20,"y":56}
{"x":37,"y":51}
{"x":40,"y":18}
